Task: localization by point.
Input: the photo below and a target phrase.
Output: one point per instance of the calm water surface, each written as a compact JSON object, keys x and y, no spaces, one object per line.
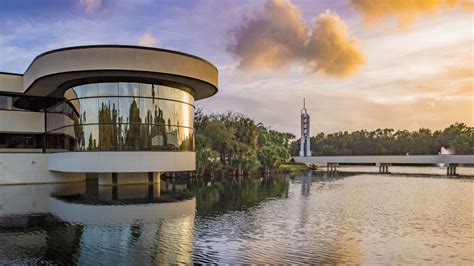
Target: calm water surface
{"x":311,"y":218}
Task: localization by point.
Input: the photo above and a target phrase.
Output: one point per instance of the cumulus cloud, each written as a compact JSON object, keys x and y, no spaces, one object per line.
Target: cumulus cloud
{"x":272,"y":39}
{"x":90,"y":6}
{"x":331,"y":49}
{"x":146,"y":39}
{"x":278,"y":37}
{"x":405,"y":10}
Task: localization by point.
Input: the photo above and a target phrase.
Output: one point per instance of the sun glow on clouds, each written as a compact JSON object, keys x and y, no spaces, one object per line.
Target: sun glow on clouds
{"x":279,"y":37}
{"x":406,"y":10}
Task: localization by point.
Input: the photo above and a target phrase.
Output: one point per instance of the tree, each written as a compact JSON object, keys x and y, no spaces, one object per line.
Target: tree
{"x":241,"y":145}
{"x":457,"y":137}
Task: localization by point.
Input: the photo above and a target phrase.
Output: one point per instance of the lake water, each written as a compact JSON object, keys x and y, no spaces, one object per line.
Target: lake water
{"x":309,"y":218}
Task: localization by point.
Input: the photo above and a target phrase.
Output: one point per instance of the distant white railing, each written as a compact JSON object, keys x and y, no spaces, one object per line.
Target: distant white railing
{"x":389,"y":159}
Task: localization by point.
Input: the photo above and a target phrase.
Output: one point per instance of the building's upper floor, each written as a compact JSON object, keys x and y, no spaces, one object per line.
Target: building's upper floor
{"x":66,"y":67}
{"x":104,"y":98}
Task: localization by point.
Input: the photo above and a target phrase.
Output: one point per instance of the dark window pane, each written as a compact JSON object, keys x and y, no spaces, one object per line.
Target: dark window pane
{"x":23,"y":142}
{"x":5,"y":103}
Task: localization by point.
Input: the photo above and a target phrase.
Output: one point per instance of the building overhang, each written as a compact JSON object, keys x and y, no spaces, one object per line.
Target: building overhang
{"x":65,"y":67}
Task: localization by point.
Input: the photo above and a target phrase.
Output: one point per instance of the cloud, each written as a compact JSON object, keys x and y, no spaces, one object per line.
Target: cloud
{"x":90,"y":6}
{"x":272,"y":39}
{"x":146,"y":39}
{"x":405,"y":10}
{"x":331,"y":49}
{"x":279,"y":37}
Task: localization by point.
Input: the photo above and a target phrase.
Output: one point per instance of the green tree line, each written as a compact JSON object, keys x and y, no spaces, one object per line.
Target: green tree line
{"x":234,"y":144}
{"x":458,"y":138}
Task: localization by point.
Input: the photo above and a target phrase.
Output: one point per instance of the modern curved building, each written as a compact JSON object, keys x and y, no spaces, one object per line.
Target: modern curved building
{"x":122,"y":112}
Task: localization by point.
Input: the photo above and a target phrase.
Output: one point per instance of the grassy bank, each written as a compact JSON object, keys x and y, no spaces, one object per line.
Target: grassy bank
{"x":293,"y":167}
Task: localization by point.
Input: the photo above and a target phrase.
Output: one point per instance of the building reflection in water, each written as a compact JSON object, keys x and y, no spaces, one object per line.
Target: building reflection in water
{"x":179,"y":221}
{"x":64,"y":224}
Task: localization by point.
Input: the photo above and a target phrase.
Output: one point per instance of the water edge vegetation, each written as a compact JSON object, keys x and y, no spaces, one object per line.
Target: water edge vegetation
{"x":234,"y":144}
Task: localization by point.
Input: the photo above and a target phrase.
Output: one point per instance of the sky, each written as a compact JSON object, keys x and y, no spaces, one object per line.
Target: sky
{"x":360,"y":64}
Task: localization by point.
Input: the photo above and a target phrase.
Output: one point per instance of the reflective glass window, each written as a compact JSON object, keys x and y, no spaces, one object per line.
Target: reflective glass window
{"x":108,"y":137}
{"x":122,"y":116}
{"x":89,"y":110}
{"x":131,"y":137}
{"x":172,"y":138}
{"x":186,"y":139}
{"x":108,"y":89}
{"x":74,"y":111}
{"x":108,"y":110}
{"x":90,"y":90}
{"x":91,"y":134}
{"x":157,"y":137}
{"x":183,"y":96}
{"x":184,"y":113}
{"x":129,"y":110}
{"x":166,"y":92}
{"x":146,"y":110}
{"x":168,"y":109}
{"x":129,"y":89}
{"x":73,"y":93}
{"x":148,"y":90}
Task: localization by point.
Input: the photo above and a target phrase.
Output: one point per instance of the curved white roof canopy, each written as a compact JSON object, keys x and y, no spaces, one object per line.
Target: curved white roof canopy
{"x":63,"y":68}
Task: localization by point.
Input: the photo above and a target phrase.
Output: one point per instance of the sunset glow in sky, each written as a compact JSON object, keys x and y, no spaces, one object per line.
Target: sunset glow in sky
{"x":359,"y":63}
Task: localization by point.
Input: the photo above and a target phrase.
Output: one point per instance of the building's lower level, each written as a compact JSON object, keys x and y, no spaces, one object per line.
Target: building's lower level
{"x":110,"y":168}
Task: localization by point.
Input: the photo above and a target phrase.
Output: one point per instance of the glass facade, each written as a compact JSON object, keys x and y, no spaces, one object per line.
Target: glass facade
{"x":9,"y":141}
{"x":122,"y":116}
{"x":23,"y":142}
{"x":26,"y":103}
